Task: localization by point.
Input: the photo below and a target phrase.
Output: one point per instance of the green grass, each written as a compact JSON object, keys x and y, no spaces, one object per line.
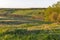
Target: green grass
{"x":23,"y":34}
{"x":27,"y":27}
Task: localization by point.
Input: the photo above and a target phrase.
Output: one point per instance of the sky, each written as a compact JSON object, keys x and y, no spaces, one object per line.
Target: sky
{"x":26,"y":3}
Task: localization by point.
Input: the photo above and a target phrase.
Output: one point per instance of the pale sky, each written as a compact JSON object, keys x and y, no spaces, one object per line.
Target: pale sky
{"x":26,"y":3}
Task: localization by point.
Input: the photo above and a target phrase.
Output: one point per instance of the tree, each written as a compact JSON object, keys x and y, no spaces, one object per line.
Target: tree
{"x":53,"y":13}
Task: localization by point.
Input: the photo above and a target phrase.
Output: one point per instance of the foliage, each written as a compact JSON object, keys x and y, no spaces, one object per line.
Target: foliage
{"x":53,"y":13}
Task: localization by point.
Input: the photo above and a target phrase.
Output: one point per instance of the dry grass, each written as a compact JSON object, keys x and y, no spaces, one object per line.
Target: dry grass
{"x":45,"y":27}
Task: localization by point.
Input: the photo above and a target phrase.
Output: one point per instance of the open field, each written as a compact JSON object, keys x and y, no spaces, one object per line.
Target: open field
{"x":28,"y":32}
{"x":27,"y":24}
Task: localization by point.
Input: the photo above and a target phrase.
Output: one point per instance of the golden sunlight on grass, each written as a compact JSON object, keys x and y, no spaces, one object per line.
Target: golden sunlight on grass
{"x":45,"y":27}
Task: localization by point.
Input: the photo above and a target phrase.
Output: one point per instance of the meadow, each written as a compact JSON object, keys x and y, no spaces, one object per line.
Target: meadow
{"x":27,"y":24}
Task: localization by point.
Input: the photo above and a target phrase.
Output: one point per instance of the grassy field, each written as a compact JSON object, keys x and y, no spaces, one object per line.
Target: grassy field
{"x":27,"y":25}
{"x":29,"y":32}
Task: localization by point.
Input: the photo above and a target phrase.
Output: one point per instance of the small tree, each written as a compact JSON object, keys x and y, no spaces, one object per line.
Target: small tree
{"x":52,"y":13}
